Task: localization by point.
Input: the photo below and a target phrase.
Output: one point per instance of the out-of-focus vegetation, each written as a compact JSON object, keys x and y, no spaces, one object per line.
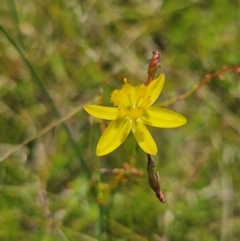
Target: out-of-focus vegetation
{"x":54,"y":187}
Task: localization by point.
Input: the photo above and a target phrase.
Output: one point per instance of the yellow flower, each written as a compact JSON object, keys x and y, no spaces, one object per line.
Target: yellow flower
{"x":133,"y":111}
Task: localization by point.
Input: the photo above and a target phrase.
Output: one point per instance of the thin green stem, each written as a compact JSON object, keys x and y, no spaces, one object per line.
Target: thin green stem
{"x":40,"y":133}
{"x":41,"y":85}
{"x":100,"y":219}
{"x":16,"y":19}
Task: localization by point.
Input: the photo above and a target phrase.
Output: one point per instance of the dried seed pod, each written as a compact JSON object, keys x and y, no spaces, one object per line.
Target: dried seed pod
{"x":154,"y":179}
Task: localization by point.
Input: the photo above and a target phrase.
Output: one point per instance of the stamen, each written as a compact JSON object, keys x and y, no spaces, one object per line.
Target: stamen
{"x":135,"y":113}
{"x":142,"y":95}
{"x":115,"y":97}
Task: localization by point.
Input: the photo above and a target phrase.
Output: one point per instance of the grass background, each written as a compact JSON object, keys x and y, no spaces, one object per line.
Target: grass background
{"x":58,"y":55}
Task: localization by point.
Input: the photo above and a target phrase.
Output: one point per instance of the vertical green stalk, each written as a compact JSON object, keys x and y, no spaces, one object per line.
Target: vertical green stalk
{"x":100,"y":220}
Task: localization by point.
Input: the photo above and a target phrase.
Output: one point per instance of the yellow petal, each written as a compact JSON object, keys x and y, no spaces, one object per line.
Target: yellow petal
{"x":113,"y":136}
{"x":101,"y":112}
{"x":144,"y":138}
{"x":161,"y":117}
{"x":155,"y":88}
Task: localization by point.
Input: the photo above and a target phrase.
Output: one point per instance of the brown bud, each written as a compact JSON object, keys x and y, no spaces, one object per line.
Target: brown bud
{"x":153,"y":65}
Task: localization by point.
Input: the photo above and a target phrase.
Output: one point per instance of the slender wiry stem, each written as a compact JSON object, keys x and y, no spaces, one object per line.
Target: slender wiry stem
{"x":100,"y":219}
{"x":200,"y":84}
{"x":41,"y":132}
{"x":41,"y":85}
{"x":16,"y":19}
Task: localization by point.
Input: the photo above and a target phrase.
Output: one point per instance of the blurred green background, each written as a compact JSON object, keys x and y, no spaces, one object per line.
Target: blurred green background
{"x":55,"y":187}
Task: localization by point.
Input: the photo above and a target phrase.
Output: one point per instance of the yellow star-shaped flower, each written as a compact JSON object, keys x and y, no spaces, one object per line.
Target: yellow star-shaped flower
{"x":133,"y":111}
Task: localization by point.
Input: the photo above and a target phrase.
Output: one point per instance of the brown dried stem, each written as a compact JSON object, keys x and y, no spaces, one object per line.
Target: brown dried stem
{"x":204,"y":81}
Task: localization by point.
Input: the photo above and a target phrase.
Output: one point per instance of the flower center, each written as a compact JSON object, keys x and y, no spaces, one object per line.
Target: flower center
{"x":130,"y":101}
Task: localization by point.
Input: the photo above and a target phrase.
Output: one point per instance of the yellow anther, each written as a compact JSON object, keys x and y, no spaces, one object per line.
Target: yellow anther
{"x":115,"y":97}
{"x":125,"y":80}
